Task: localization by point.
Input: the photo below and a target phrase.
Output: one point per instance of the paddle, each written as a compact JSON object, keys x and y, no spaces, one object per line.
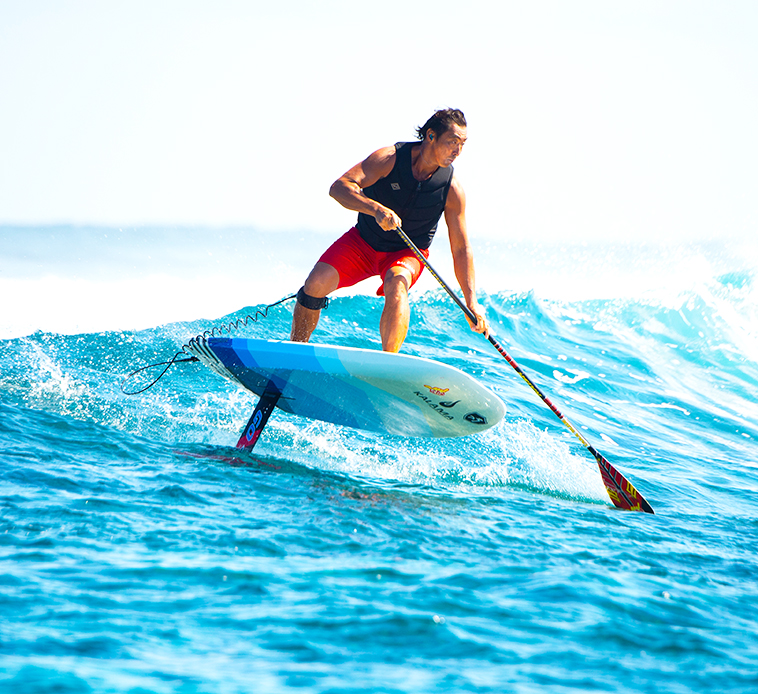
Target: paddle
{"x":622,"y":491}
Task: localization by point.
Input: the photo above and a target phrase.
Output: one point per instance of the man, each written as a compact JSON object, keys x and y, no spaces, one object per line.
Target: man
{"x":408,"y":185}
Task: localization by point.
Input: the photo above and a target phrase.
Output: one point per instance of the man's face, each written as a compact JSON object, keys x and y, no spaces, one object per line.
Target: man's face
{"x":449,"y":145}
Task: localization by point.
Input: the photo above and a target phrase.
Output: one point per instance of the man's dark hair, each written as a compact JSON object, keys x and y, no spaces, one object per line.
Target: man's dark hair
{"x":442,"y":121}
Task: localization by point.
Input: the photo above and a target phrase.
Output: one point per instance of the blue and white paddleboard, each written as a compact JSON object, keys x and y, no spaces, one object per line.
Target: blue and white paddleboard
{"x":361,"y":388}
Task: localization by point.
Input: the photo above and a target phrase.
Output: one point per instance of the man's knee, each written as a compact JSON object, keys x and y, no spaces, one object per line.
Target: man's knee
{"x":323,"y":280}
{"x":396,"y":284}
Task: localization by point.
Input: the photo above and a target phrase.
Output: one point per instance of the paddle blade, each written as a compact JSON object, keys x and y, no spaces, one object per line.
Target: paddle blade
{"x":622,"y":492}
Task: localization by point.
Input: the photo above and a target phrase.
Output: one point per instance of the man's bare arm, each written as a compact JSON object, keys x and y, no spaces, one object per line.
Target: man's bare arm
{"x":463,"y":257}
{"x":347,"y":190}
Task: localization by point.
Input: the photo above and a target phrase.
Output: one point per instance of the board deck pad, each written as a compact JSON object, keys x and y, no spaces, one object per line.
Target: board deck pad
{"x":361,"y":388}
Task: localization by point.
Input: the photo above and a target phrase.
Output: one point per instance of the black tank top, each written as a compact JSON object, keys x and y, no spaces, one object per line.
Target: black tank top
{"x":419,"y":204}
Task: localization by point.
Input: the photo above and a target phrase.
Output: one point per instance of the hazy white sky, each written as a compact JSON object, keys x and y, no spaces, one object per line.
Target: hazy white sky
{"x":587,"y":119}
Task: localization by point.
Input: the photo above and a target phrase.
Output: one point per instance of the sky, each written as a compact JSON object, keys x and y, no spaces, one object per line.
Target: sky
{"x":588,"y":120}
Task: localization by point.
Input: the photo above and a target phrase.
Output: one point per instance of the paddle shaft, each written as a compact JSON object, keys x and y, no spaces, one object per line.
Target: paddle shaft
{"x":621,"y":491}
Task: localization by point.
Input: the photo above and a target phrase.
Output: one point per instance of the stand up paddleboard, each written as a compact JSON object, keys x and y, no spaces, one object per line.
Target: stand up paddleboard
{"x":360,"y":388}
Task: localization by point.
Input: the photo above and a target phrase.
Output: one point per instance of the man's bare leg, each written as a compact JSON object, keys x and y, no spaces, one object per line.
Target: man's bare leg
{"x":393,"y":326}
{"x":322,"y":281}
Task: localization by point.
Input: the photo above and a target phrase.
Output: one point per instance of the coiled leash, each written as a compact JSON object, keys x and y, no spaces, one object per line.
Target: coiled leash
{"x":217,"y":331}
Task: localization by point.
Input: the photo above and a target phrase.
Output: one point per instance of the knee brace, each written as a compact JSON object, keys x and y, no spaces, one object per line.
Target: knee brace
{"x":311,"y":302}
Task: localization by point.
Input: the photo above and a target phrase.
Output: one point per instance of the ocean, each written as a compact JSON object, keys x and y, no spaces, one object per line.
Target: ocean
{"x":141,"y":552}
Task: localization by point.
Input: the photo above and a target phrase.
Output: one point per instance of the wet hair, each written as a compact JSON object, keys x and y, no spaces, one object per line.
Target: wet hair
{"x":442,"y":121}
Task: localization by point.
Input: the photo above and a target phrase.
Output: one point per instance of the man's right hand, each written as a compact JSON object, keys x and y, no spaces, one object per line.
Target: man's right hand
{"x":387,"y":219}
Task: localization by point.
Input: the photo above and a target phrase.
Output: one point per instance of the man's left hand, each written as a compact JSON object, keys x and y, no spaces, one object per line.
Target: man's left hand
{"x":482,"y":326}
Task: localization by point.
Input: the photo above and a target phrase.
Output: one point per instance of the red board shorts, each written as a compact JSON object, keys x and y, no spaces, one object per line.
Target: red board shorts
{"x":355,"y":260}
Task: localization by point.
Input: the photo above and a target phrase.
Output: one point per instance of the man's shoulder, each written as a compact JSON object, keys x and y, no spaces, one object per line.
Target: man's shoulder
{"x":391,"y":151}
{"x":381,"y":162}
{"x":384,"y":153}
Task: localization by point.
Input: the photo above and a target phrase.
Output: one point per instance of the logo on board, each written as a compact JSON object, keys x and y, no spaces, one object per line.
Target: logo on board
{"x":437,"y":391}
{"x":434,"y":405}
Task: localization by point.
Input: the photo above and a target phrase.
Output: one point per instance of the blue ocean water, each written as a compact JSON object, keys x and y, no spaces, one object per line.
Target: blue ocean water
{"x":142,"y":553}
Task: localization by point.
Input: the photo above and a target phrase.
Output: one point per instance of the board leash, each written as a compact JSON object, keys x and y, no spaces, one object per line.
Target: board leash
{"x":217,"y":331}
{"x":620,"y":490}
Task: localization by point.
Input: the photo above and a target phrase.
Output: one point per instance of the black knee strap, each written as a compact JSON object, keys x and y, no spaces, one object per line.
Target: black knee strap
{"x":311,"y":302}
